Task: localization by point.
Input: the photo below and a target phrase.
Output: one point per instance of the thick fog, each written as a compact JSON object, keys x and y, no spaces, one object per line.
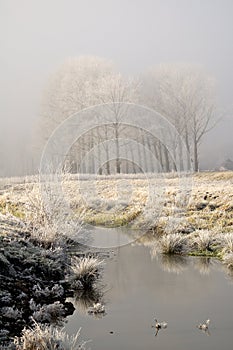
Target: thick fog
{"x":37,"y":36}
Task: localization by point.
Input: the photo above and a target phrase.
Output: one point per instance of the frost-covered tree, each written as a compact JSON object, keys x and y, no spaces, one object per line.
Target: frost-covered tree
{"x":185,"y":94}
{"x":80,"y":83}
{"x":117,"y":89}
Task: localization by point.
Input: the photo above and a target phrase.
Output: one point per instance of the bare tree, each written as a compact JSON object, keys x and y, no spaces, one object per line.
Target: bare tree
{"x":77,"y":84}
{"x":83,"y":82}
{"x":185,"y":95}
{"x":119,"y":89}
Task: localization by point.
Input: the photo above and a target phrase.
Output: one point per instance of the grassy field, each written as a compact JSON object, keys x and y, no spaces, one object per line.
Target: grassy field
{"x":197,"y":206}
{"x":203,"y":201}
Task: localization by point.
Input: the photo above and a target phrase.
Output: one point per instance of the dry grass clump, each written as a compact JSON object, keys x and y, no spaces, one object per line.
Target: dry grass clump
{"x":85,"y":270}
{"x":228,"y":260}
{"x":174,"y":243}
{"x":227,"y":243}
{"x":204,"y":240}
{"x":44,"y":337}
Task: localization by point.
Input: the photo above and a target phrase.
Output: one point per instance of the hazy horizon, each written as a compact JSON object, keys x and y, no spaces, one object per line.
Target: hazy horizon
{"x":36,"y":37}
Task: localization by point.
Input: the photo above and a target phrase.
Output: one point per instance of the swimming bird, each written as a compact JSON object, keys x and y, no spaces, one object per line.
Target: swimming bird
{"x":204,"y":326}
{"x":159,"y":325}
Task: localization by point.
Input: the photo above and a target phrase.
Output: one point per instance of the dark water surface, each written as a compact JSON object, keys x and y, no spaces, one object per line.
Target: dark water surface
{"x":181,"y":291}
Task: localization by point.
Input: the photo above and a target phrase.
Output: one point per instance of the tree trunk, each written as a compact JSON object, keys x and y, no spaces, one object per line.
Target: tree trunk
{"x":151,"y":160}
{"x":127,"y":162}
{"x":107,"y":151}
{"x":133,"y":163}
{"x":188,"y":149}
{"x":118,"y":164}
{"x":144,"y":152}
{"x":167,"y":165}
{"x":195,"y":155}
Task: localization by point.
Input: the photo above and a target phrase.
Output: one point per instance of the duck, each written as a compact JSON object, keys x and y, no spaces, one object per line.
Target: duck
{"x":159,"y":325}
{"x":204,"y":326}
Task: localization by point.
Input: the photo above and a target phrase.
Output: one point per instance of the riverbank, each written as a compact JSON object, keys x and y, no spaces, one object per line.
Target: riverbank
{"x":36,"y":280}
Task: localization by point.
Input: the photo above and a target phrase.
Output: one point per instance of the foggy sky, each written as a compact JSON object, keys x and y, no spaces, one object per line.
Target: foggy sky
{"x":37,"y":36}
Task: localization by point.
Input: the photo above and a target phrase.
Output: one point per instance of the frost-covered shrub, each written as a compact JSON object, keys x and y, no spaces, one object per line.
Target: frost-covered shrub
{"x":49,"y":313}
{"x":56,"y":291}
{"x":39,"y":292}
{"x":11,"y":312}
{"x":5,"y":297}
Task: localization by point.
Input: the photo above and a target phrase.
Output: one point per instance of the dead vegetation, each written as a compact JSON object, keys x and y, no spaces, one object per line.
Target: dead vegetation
{"x":45,"y":337}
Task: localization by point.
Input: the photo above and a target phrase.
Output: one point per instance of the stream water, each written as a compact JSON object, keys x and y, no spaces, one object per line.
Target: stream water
{"x":141,"y":286}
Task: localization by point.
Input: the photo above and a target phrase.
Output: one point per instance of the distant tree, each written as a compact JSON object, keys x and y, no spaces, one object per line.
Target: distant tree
{"x":185,"y":94}
{"x":118,"y":90}
{"x":227,"y":164}
{"x":80,"y":83}
{"x":77,"y":84}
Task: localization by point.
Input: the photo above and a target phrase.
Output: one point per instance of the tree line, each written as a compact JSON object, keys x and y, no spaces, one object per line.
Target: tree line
{"x":183,"y":93}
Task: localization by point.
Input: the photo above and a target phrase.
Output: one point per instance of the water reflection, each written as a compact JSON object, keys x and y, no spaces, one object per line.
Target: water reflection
{"x":84,"y":300}
{"x":173,"y":263}
{"x":203,"y":265}
{"x":178,"y":263}
{"x":181,"y":290}
{"x":205,"y":331}
{"x":228,"y":273}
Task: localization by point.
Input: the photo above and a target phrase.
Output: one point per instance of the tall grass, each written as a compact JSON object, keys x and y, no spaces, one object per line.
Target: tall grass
{"x":227,"y":242}
{"x":44,"y":337}
{"x":85,"y":270}
{"x":228,"y":260}
{"x":173,"y":243}
{"x":204,"y":240}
